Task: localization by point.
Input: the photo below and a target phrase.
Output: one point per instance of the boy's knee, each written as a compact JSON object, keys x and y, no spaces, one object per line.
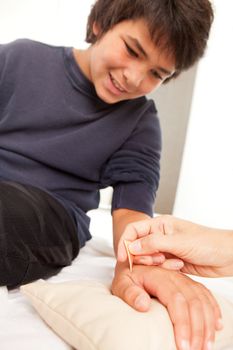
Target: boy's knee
{"x":21,"y":202}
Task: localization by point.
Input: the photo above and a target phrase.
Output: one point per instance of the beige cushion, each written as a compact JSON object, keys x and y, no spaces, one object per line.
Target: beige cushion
{"x":87,"y":316}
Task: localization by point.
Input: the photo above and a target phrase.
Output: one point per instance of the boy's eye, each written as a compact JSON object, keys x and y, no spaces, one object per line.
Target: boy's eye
{"x":131,"y":51}
{"x":156,"y":75}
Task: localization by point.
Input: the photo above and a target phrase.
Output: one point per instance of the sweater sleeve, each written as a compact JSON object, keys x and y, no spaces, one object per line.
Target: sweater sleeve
{"x":134,"y":169}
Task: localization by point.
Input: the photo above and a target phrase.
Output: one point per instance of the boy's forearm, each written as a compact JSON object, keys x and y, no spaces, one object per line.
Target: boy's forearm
{"x":121,"y":218}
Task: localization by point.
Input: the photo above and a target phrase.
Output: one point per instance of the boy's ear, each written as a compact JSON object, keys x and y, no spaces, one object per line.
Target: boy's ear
{"x":96,"y":28}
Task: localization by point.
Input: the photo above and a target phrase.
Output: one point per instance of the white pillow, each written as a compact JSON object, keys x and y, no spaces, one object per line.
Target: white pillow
{"x":88,"y":317}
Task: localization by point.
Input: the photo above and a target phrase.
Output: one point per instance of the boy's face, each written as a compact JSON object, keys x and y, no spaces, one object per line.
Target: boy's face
{"x":125,"y":64}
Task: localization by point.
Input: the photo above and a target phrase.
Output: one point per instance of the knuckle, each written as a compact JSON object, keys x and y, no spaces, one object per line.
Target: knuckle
{"x":205,"y":298}
{"x":150,"y":241}
{"x":198,"y":339}
{"x":195,"y":302}
{"x":199,"y":332}
{"x":202,"y":289}
{"x":177,"y":299}
{"x":198,"y":335}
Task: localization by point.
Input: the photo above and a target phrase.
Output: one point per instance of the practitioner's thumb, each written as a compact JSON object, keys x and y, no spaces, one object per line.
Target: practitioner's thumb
{"x":153,"y":243}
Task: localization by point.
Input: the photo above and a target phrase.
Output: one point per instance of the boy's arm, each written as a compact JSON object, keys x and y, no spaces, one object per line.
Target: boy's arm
{"x":121,"y":218}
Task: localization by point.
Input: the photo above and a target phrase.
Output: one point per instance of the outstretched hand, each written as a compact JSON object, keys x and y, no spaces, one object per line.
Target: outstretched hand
{"x":144,"y":252}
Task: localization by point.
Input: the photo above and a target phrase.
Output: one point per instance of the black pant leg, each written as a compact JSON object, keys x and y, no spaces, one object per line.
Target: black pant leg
{"x":37,"y":235}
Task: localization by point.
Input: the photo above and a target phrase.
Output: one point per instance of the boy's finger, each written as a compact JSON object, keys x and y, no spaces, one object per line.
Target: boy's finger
{"x":136,"y":297}
{"x":132,"y":293}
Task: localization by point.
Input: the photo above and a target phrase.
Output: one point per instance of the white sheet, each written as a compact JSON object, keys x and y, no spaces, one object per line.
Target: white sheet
{"x":20,"y":326}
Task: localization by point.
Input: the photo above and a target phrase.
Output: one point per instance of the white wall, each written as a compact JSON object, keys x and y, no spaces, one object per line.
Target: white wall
{"x":205,"y":190}
{"x":173,"y":101}
{"x":61,"y":22}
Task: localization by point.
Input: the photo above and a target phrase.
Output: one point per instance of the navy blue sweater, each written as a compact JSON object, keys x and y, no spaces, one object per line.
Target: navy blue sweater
{"x":56,"y":134}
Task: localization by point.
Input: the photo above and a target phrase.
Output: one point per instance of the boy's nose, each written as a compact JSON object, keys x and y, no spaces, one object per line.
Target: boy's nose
{"x":134,"y":77}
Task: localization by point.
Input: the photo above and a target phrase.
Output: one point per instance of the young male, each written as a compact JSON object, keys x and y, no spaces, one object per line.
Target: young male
{"x":73,"y":122}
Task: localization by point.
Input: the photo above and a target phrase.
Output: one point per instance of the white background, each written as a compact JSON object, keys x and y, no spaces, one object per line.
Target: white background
{"x":61,"y":22}
{"x":205,"y":190}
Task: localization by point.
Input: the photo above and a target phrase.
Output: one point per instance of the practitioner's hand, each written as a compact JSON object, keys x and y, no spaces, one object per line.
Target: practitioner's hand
{"x":143,"y":228}
{"x":204,"y":251}
{"x":192,"y":308}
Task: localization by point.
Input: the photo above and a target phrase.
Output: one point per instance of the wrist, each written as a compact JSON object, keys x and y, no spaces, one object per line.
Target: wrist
{"x":121,"y":218}
{"x":121,"y":266}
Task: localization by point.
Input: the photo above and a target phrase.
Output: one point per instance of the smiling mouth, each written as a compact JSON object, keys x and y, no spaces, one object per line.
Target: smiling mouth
{"x":116,"y":84}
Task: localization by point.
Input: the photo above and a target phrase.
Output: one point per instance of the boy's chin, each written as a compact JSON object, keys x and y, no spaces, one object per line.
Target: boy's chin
{"x":111,"y":99}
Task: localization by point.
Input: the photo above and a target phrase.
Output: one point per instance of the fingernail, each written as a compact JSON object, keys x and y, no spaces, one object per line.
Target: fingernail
{"x":210,"y":345}
{"x":141,"y":302}
{"x":178,"y":265}
{"x":185,"y":345}
{"x":135,"y":247}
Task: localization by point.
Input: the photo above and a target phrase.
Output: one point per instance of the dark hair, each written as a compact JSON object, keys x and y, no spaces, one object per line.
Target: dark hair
{"x":181,"y":27}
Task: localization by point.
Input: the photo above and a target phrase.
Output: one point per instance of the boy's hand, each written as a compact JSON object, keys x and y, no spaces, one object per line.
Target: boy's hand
{"x":193,"y":310}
